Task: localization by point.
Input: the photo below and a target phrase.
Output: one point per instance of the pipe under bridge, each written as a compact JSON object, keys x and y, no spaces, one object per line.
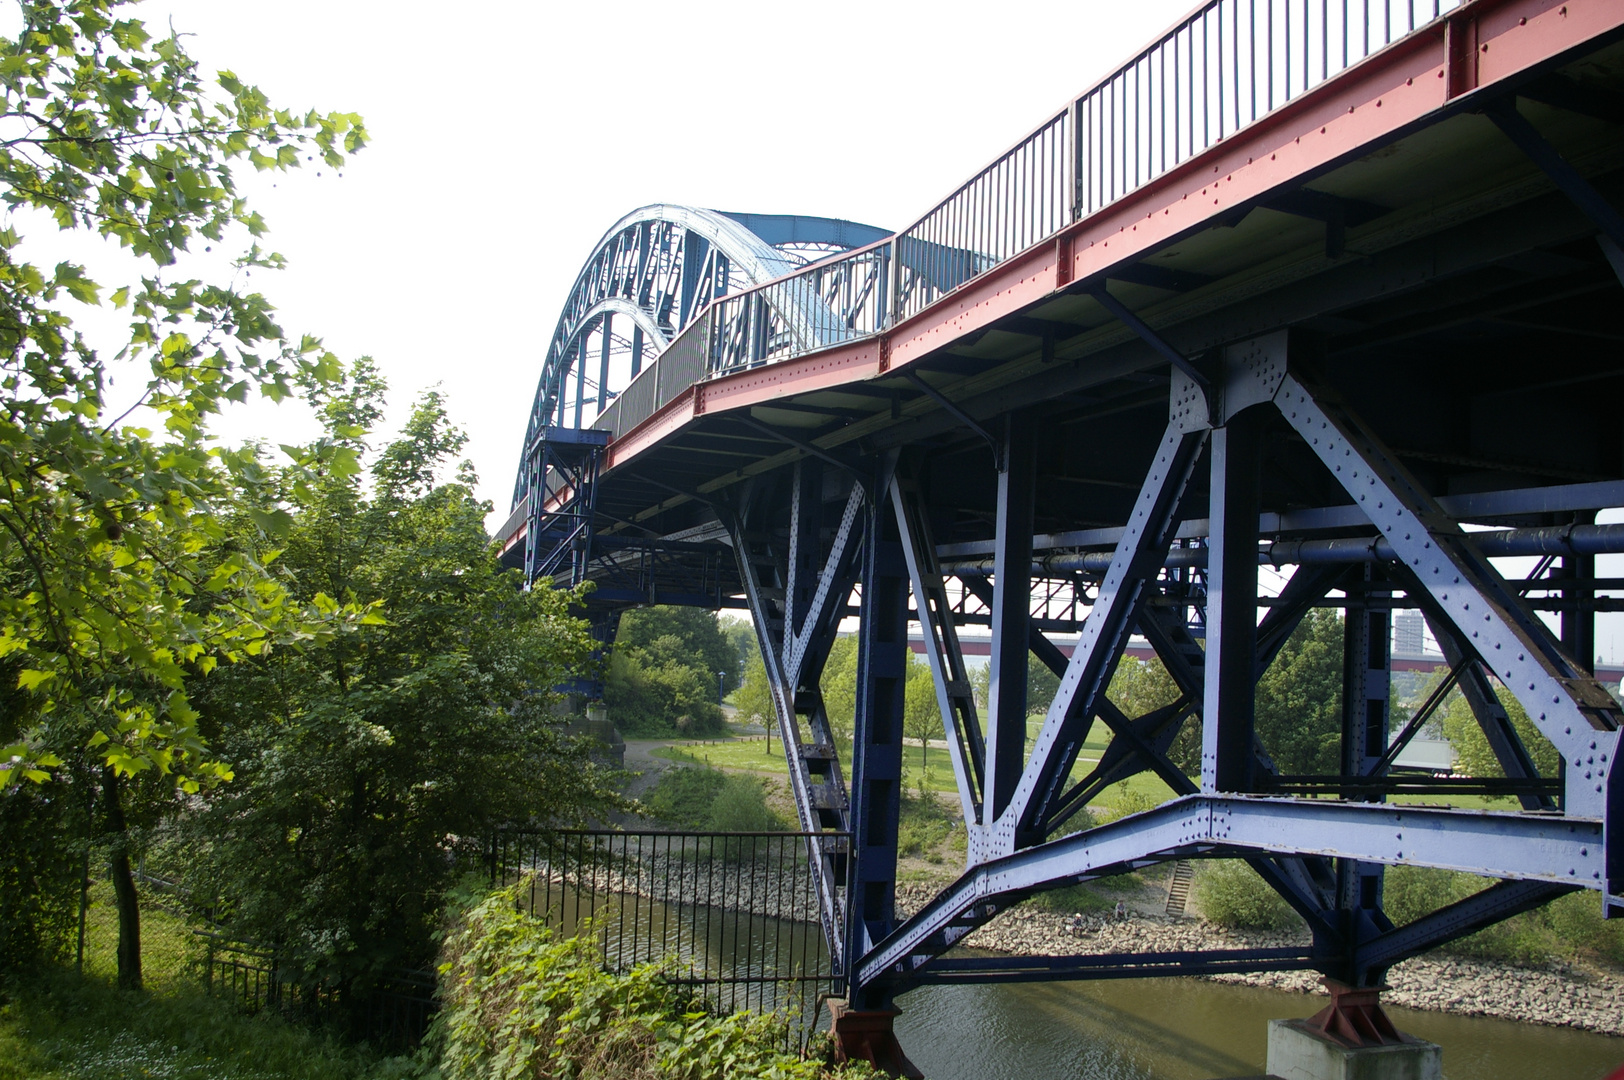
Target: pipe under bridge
{"x":1306,"y":304}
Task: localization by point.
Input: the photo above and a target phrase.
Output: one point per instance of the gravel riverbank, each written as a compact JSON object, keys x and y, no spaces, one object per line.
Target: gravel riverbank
{"x":1562,"y":995}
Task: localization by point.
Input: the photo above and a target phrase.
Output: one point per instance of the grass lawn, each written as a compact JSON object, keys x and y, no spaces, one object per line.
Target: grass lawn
{"x":60,"y":1025}
{"x":753,"y":756}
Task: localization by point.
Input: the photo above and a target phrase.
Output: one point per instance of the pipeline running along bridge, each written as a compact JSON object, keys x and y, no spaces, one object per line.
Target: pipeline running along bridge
{"x":1305,"y":284}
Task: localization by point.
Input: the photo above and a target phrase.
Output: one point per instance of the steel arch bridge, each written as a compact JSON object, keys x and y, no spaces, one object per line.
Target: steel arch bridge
{"x":1325,"y":289}
{"x":648,"y":278}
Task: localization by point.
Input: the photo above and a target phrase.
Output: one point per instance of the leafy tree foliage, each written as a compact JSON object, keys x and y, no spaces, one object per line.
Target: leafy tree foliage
{"x":1041,"y":686}
{"x":1473,"y":757}
{"x":741,"y":806}
{"x":661,"y":676}
{"x":366,"y":765}
{"x":39,"y":874}
{"x":119,"y":579}
{"x":1230,"y":893}
{"x":754,"y":699}
{"x":741,"y":634}
{"x":1299,"y":699}
{"x":921,"y":718}
{"x":839,"y":686}
{"x":683,"y":796}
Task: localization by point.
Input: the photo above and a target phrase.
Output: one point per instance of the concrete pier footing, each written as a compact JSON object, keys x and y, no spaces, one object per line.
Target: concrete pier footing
{"x":1350,"y":1039}
{"x":1299,"y":1051}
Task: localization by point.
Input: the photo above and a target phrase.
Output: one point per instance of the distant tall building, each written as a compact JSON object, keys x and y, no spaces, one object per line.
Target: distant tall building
{"x":1409,"y":633}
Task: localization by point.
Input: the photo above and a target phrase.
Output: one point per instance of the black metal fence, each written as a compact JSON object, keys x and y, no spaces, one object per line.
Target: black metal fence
{"x":392,"y":1012}
{"x":735,"y":913}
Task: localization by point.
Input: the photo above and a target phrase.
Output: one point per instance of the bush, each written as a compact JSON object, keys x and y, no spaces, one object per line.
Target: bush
{"x":741,"y":806}
{"x":1230,"y":893}
{"x":519,"y":1002}
{"x":1071,"y":899}
{"x":683,"y":797}
{"x":1569,"y":927}
{"x":39,"y":875}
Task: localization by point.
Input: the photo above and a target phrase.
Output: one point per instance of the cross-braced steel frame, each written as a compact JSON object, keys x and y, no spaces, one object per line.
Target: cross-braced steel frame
{"x":1311,"y":362}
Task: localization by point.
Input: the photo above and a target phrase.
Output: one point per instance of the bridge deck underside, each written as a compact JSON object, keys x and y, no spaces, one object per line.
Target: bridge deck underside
{"x":1436,"y":285}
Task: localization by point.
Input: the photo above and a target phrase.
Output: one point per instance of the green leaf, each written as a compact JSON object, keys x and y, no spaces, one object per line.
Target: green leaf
{"x":274,"y":523}
{"x":32,"y":678}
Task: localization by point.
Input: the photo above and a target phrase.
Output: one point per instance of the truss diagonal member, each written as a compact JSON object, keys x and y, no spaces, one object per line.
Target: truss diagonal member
{"x":1135,"y":564}
{"x":954,"y":696}
{"x":1516,"y":127}
{"x":1506,"y":745}
{"x":816,"y":807}
{"x":1499,"y":901}
{"x":1011,"y":615}
{"x":1150,"y":337}
{"x":834,"y":582}
{"x":1140,"y":745}
{"x":1565,"y":702}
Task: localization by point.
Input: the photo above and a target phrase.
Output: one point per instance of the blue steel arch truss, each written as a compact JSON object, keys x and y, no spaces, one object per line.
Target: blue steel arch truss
{"x":1374,"y":377}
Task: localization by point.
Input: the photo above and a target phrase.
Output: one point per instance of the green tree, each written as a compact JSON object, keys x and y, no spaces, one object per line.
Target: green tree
{"x":1473,"y":757}
{"x":120,"y":583}
{"x":1041,"y":686}
{"x":1299,"y":699}
{"x":698,"y":633}
{"x":741,"y":634}
{"x":1139,"y":687}
{"x":662,"y":673}
{"x":370,"y":767}
{"x":754,"y":699}
{"x":921,"y":716}
{"x":839,"y":685}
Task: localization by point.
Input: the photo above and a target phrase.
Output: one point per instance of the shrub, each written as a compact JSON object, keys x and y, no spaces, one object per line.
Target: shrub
{"x":39,"y":875}
{"x":1070,"y":899}
{"x":1569,"y":927}
{"x":683,"y":797}
{"x":741,"y":806}
{"x":1230,"y":893}
{"x":518,"y":1002}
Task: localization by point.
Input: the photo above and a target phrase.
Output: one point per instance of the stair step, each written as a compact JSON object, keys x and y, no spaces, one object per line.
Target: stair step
{"x":1178,"y":887}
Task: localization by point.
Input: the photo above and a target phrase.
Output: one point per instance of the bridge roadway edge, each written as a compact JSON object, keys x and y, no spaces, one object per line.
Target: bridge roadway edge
{"x":1360,"y":128}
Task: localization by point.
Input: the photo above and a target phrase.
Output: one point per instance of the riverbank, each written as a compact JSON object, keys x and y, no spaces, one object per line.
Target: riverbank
{"x":1557,"y":994}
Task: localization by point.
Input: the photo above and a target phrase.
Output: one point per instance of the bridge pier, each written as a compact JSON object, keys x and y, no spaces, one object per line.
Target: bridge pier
{"x":1350,"y":1039}
{"x":867,"y":1035}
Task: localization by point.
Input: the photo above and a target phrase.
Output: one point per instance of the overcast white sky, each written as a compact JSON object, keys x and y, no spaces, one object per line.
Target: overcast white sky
{"x":507,"y":137}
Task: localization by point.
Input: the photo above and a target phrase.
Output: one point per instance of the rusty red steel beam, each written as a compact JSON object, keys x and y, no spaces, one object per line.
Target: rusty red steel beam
{"x":1415,"y":80}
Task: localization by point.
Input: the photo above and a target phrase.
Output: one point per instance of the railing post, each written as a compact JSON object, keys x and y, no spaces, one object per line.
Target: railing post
{"x":893,"y":313}
{"x":1074,"y":135}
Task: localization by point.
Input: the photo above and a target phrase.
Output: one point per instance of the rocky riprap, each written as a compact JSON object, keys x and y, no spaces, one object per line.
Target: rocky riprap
{"x":766,"y":886}
{"x":1558,"y":994}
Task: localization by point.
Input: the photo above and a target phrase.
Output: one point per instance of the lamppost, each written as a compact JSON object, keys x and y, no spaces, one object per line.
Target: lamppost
{"x":721,"y":679}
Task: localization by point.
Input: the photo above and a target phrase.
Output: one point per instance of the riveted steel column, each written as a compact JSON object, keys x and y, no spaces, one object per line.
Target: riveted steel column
{"x":1366,"y":677}
{"x":1366,"y":663}
{"x":1011,"y":605}
{"x":882,"y":670}
{"x":1229,"y":686}
{"x":1578,"y":614}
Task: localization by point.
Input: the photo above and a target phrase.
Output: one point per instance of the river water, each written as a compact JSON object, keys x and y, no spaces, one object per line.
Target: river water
{"x":1129,"y":1029}
{"x":1190,"y":1029}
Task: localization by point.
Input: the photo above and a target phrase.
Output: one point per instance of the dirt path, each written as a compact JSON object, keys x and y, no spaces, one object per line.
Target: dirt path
{"x":640,"y":759}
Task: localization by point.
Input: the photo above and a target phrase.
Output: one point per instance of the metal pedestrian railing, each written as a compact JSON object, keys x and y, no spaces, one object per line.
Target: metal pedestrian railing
{"x":735,"y":914}
{"x":1227,"y":65}
{"x":392,"y":1010}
